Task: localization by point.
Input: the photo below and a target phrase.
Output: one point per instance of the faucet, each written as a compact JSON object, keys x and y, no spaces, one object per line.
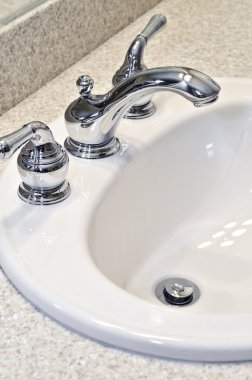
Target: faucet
{"x":42,"y":164}
{"x":92,"y":120}
{"x":133,"y":63}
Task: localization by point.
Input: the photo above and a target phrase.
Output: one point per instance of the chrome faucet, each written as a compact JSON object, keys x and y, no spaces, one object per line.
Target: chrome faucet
{"x":92,"y":120}
{"x":42,"y":164}
{"x":133,"y":63}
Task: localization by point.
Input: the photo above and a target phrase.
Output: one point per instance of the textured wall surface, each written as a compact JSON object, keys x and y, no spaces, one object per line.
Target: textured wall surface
{"x":40,"y":45}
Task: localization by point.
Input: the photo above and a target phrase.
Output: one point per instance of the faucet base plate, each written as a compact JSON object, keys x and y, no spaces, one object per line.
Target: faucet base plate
{"x":38,"y":196}
{"x":92,"y":151}
{"x":141,"y":111}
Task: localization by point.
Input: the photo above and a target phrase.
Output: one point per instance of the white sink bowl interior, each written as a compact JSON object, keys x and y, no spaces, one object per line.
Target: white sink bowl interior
{"x":176,"y":201}
{"x":184,"y":209}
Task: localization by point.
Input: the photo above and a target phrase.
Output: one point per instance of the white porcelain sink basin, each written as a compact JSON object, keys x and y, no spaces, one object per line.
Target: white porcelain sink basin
{"x":176,"y":201}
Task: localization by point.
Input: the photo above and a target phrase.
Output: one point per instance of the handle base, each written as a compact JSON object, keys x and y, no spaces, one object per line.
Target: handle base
{"x":38,"y":196}
{"x":92,"y":151}
{"x":141,"y":111}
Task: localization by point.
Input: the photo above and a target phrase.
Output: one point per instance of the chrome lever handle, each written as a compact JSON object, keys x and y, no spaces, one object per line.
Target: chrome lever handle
{"x":10,"y":143}
{"x":156,"y":23}
{"x":42,"y":163}
{"x":133,"y":63}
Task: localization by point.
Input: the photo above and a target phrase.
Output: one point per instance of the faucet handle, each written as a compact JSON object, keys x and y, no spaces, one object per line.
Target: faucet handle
{"x":42,"y":163}
{"x":85,"y":84}
{"x":156,"y":23}
{"x":133,"y":64}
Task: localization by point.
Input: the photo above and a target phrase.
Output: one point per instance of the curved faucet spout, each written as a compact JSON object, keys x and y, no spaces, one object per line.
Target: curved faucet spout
{"x":191,"y":84}
{"x":92,"y":120}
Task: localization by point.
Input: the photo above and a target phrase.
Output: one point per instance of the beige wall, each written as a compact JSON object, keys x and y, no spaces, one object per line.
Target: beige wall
{"x":38,"y":46}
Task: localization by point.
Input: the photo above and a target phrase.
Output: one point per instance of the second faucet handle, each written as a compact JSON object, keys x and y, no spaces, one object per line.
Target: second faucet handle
{"x":133,"y":63}
{"x":155,"y":24}
{"x":42,"y":164}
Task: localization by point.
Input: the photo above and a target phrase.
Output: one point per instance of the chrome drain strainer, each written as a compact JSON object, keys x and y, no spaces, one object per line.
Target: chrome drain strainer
{"x":177,"y":291}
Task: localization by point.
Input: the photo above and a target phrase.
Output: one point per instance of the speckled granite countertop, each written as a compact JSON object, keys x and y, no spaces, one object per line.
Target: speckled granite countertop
{"x":47,"y":40}
{"x":212,"y":36}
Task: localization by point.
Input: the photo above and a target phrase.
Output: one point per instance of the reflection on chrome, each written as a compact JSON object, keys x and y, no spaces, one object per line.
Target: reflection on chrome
{"x":225,"y":238}
{"x":210,"y":150}
{"x":230,"y":225}
{"x":57,"y":306}
{"x":239,"y":232}
{"x":204,"y":244}
{"x":218,"y":234}
{"x":155,"y":341}
{"x":124,"y":147}
{"x":227,"y":243}
{"x":247,"y":222}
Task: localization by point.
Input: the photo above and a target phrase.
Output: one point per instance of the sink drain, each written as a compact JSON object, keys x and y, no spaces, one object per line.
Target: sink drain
{"x":177,"y":291}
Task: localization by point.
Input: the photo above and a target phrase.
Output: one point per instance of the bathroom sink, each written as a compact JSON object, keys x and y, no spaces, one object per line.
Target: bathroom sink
{"x":174,"y":202}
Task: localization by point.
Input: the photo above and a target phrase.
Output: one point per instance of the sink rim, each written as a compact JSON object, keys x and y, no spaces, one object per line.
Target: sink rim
{"x":120,"y":332}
